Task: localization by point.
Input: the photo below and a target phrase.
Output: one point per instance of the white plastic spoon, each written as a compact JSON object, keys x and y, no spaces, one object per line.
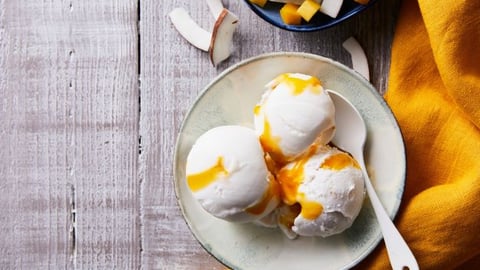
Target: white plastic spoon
{"x":351,"y":134}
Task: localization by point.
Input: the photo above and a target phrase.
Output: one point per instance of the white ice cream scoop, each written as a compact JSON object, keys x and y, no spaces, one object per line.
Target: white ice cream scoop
{"x":295,"y":111}
{"x":227,"y":174}
{"x":328,"y":187}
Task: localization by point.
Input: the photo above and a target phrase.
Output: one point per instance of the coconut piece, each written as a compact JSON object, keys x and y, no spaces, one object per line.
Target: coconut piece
{"x":222,"y":36}
{"x":217,"y":43}
{"x":359,"y":59}
{"x":189,"y":29}
{"x":331,"y":7}
{"x":216,"y":7}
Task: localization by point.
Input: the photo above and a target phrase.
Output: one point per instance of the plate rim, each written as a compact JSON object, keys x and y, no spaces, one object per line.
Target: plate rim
{"x":372,"y":89}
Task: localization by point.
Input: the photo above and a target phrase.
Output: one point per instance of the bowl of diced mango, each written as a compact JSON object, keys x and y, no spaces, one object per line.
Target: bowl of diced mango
{"x":307,"y":15}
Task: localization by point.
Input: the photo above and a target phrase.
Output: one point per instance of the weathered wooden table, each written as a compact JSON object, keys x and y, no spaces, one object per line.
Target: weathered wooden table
{"x":92,"y":95}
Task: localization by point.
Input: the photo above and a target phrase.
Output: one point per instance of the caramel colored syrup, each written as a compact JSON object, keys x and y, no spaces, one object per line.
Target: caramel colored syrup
{"x":290,"y":179}
{"x":271,"y":144}
{"x":272,"y":192}
{"x":310,"y":210}
{"x":201,"y":180}
{"x":257,"y":109}
{"x":339,"y":161}
{"x":287,"y":217}
{"x":298,"y":85}
{"x":272,"y":166}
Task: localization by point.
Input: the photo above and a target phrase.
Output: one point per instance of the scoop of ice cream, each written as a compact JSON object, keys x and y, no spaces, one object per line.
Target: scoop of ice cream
{"x":227,"y":174}
{"x":323,"y":191}
{"x":295,"y":111}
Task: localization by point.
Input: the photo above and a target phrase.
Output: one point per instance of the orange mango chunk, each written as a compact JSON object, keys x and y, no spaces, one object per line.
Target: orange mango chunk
{"x":260,"y":3}
{"x":289,"y":14}
{"x":308,"y":9}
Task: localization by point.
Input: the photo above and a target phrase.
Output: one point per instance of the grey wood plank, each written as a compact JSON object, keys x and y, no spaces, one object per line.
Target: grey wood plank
{"x":69,"y":135}
{"x":174,"y":72}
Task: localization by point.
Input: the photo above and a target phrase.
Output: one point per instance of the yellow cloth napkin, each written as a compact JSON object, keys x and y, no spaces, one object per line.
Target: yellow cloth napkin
{"x":434,"y":92}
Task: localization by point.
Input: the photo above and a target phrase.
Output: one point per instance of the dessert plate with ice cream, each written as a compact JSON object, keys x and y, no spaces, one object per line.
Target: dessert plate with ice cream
{"x":258,"y":179}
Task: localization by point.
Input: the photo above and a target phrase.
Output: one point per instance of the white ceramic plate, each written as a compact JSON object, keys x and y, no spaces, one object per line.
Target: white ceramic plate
{"x":230,"y":99}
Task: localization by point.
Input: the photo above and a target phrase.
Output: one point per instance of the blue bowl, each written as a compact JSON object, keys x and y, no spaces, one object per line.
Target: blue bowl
{"x":271,"y":13}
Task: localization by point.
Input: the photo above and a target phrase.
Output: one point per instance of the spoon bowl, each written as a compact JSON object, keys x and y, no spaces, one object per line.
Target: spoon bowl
{"x":350,"y":136}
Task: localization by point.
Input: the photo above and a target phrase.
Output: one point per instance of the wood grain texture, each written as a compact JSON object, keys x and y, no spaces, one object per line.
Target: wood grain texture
{"x":173,"y":73}
{"x":69,"y":126}
{"x":170,"y":79}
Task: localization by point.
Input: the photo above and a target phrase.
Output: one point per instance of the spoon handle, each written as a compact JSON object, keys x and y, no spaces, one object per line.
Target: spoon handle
{"x":401,"y":257}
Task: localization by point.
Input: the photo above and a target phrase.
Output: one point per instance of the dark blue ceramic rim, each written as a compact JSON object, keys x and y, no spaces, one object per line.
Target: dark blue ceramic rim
{"x":270,"y":13}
